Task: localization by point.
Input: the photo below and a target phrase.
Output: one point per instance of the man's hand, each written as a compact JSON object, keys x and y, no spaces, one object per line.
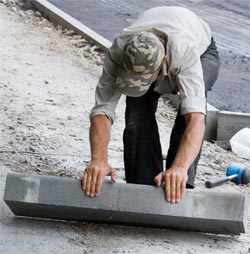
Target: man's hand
{"x":93,"y":177}
{"x":175,"y":177}
{"x":94,"y":174}
{"x":175,"y":183}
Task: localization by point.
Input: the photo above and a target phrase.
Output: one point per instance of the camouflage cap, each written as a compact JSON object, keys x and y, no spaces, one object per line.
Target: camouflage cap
{"x":142,"y":56}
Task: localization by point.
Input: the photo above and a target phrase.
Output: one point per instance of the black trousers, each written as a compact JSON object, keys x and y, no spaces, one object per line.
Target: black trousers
{"x":142,"y":148}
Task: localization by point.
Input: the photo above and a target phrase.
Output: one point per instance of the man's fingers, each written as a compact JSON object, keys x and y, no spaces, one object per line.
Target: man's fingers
{"x":178,"y":188}
{"x":100,"y":179}
{"x":88,"y":184}
{"x":183,"y":188}
{"x":93,"y":183}
{"x":93,"y":178}
{"x":173,"y":188}
{"x":168,"y":187}
{"x":84,"y":180}
{"x":98,"y":185}
{"x":175,"y":185}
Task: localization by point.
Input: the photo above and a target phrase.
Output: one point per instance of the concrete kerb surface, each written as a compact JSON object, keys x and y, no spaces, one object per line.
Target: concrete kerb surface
{"x":230,"y":123}
{"x":61,"y":18}
{"x":215,"y":118}
{"x":130,"y":204}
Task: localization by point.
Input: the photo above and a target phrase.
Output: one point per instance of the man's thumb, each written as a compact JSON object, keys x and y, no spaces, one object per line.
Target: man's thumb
{"x":158,"y":179}
{"x":113,"y":174}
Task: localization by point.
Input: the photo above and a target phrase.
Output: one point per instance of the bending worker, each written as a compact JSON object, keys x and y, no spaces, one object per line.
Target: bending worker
{"x":166,"y":50}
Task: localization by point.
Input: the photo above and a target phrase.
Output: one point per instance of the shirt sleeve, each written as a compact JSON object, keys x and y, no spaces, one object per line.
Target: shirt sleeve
{"x":106,"y":94}
{"x":191,"y":84}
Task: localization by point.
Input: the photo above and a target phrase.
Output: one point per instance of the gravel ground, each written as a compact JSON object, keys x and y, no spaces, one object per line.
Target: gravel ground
{"x":48,"y":75}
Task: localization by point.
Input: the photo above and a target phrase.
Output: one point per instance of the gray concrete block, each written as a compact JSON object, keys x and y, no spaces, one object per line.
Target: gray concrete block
{"x":129,"y":204}
{"x":230,"y":123}
{"x":211,"y":123}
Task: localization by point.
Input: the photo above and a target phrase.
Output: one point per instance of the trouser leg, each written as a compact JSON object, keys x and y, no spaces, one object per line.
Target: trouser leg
{"x":142,"y":148}
{"x":210,"y":65}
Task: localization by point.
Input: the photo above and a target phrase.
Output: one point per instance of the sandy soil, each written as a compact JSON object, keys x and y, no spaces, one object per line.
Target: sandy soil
{"x":48,"y":76}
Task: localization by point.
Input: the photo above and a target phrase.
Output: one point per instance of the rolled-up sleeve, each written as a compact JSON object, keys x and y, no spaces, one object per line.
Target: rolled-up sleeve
{"x":191,"y":84}
{"x":106,"y":94}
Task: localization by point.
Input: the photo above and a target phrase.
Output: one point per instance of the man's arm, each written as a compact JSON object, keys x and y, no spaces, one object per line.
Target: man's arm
{"x":191,"y":86}
{"x":94,"y":174}
{"x":102,"y":115}
{"x":175,"y":177}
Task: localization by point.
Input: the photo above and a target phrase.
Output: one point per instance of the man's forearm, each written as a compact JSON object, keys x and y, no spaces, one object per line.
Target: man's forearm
{"x":191,"y":141}
{"x":95,"y":172}
{"x":99,"y":137}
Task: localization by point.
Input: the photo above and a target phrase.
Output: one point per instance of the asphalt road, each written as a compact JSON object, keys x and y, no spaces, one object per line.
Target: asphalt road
{"x":229,"y":22}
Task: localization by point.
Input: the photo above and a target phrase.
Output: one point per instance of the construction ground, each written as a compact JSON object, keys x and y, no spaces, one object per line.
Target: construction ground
{"x":48,"y":76}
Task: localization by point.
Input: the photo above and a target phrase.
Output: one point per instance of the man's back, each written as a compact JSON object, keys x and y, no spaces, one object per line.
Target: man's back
{"x":175,"y":22}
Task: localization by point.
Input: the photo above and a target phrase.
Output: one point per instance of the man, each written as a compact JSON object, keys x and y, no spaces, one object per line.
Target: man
{"x":166,"y":50}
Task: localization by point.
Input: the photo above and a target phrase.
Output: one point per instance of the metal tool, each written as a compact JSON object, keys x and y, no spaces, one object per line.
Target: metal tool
{"x":237,"y":173}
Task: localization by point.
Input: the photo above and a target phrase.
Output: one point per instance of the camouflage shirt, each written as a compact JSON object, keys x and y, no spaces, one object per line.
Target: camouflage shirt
{"x":186,"y":38}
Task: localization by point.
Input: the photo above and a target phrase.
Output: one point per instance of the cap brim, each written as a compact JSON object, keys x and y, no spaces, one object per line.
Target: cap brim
{"x":133,"y":85}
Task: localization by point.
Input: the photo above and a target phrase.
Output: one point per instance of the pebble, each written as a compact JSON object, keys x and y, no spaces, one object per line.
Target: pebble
{"x":218,"y":161}
{"x":70,"y":32}
{"x":38,"y":14}
{"x":21,"y":13}
{"x":32,"y":149}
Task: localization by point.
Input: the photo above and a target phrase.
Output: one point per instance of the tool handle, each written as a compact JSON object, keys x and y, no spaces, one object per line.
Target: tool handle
{"x":216,"y":182}
{"x":220,"y":181}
